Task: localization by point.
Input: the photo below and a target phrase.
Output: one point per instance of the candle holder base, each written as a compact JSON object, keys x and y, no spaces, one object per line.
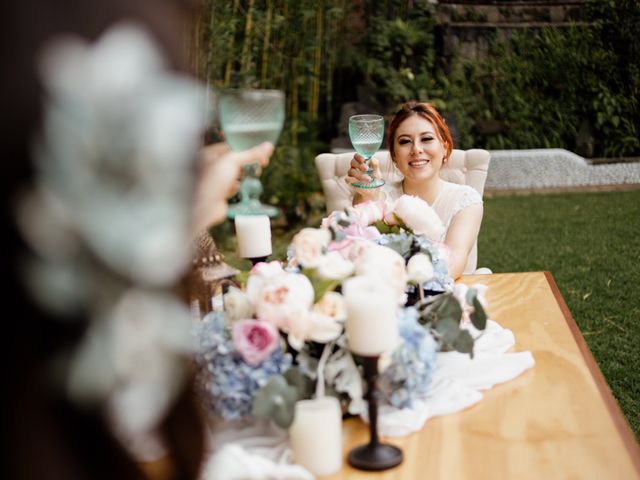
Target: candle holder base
{"x":255,"y":260}
{"x":375,"y":457}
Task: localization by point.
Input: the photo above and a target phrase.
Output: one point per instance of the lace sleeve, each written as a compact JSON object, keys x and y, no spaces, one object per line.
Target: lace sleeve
{"x":468,"y":196}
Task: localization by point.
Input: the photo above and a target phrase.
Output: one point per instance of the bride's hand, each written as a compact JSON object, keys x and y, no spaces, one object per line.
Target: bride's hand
{"x":357,"y":173}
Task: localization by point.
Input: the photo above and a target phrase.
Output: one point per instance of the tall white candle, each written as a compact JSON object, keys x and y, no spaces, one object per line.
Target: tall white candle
{"x":372,"y":327}
{"x":316,"y":435}
{"x":254,"y":235}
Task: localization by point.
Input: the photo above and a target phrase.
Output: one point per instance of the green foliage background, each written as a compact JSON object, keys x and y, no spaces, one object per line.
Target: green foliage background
{"x":542,"y":88}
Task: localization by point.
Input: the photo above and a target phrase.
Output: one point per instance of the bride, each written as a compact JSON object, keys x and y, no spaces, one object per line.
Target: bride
{"x":420,"y":144}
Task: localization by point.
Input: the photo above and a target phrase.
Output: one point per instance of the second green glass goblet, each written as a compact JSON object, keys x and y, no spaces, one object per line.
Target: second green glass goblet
{"x":366,"y":133}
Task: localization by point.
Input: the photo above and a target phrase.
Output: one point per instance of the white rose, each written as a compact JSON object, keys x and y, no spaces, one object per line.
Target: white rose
{"x":420,"y":268}
{"x":314,"y":326}
{"x":334,"y":266}
{"x":309,"y":244}
{"x":237,"y":305}
{"x":419,"y":217}
{"x":283,"y":297}
{"x":386,"y":265}
{"x":332,"y":305}
{"x":259,"y":276}
{"x":357,"y":249}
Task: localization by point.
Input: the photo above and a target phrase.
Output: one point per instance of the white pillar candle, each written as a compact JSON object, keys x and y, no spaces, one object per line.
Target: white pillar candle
{"x":254,"y":235}
{"x":372,"y":327}
{"x":316,"y":435}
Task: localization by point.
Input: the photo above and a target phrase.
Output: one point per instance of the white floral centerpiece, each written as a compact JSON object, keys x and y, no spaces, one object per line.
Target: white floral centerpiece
{"x":284,"y":331}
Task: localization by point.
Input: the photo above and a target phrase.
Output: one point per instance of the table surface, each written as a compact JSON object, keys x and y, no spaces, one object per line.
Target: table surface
{"x":557,"y":420}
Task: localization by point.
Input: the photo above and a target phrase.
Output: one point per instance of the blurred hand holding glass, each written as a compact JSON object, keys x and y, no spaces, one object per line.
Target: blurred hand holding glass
{"x":249,"y":118}
{"x":366,"y":133}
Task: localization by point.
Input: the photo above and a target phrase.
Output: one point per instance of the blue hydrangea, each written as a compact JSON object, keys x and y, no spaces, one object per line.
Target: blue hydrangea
{"x":226,"y":382}
{"x":412,"y":363}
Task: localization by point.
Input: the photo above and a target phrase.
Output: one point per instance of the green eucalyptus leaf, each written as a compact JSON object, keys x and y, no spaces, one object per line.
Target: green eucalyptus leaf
{"x":276,"y":401}
{"x":337,"y":235}
{"x":322,"y":286}
{"x":471,"y":294}
{"x":302,"y":383}
{"x":401,"y":244}
{"x":479,"y":316}
{"x":425,"y":250}
{"x":283,"y":415}
{"x":447,"y":305}
{"x":463,"y":343}
{"x":448,"y":330}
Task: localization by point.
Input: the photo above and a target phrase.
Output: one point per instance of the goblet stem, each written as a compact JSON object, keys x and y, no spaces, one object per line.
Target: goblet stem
{"x":250,"y":187}
{"x":375,"y":455}
{"x":249,"y":192}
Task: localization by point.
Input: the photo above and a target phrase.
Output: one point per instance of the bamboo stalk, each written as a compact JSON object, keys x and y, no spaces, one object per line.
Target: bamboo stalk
{"x":229,"y":64}
{"x":318,"y":61}
{"x":248,"y":37}
{"x":294,"y":103}
{"x":266,"y":45}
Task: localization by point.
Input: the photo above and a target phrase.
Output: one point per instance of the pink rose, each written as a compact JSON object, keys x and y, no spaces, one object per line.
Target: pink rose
{"x":255,"y":340}
{"x":354,"y":233}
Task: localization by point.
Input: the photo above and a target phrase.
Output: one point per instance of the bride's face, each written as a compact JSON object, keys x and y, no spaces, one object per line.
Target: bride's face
{"x":419,"y":151}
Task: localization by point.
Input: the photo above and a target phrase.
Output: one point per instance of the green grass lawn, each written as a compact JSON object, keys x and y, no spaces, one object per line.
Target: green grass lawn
{"x":590,"y":242}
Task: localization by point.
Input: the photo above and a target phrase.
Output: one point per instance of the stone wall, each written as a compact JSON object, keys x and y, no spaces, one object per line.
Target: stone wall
{"x":467,"y":27}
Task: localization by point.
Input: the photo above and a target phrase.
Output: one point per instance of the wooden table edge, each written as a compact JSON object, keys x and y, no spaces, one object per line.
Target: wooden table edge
{"x":619,"y":420}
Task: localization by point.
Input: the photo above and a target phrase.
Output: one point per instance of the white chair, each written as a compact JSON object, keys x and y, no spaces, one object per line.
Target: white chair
{"x":467,"y":167}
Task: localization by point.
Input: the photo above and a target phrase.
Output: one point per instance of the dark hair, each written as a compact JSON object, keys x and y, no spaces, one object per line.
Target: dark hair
{"x":426,"y":111}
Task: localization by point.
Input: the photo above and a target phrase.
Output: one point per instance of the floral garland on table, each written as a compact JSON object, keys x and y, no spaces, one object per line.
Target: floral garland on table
{"x":285,"y":330}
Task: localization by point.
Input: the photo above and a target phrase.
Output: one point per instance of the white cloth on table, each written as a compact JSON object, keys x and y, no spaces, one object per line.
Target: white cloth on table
{"x":458,"y":381}
{"x":255,"y":451}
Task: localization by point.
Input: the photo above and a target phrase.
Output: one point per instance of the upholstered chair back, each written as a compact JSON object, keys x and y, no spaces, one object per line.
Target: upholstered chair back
{"x":468,"y":167}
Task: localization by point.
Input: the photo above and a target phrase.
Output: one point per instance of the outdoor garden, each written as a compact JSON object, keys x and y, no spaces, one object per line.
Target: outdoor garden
{"x":576,"y":87}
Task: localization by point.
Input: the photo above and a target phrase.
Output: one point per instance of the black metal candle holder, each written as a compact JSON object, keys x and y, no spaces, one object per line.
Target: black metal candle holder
{"x":256,"y":260}
{"x":374,"y":455}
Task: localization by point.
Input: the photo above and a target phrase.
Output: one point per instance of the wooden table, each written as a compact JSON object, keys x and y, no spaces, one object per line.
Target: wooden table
{"x":557,"y":420}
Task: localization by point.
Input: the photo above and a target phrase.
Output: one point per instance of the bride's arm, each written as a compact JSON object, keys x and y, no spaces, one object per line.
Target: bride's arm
{"x":461,"y":236}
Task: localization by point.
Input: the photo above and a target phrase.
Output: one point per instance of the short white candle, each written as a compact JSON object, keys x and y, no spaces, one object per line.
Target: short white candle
{"x":316,"y":435}
{"x":254,"y":235}
{"x":372,"y":327}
